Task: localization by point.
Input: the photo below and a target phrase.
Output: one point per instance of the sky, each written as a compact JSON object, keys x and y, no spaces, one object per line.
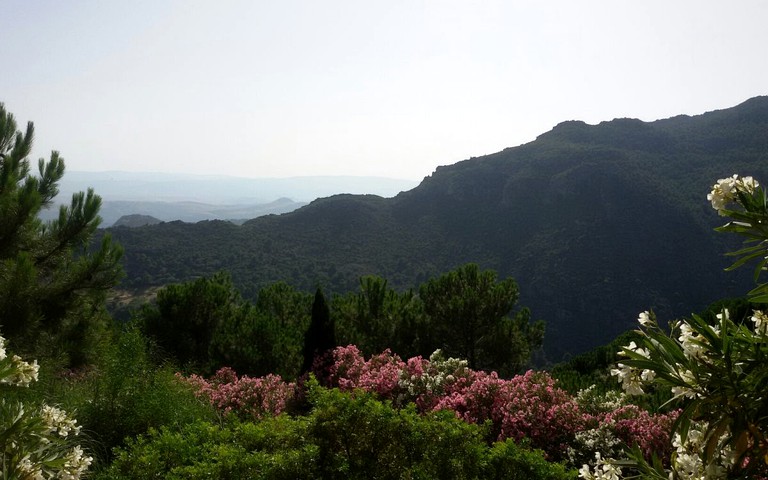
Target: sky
{"x":388,"y":88}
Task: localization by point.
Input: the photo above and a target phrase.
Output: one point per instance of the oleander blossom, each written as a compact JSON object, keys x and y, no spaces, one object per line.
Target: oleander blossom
{"x":38,"y":441}
{"x":22,"y":373}
{"x":633,"y":379}
{"x":604,"y":470}
{"x":688,"y":389}
{"x":645,"y":319}
{"x":693,"y":344}
{"x":529,"y":406}
{"x":245,"y":396}
{"x":726,"y":189}
{"x":760,"y":320}
{"x":57,"y":421}
{"x":75,"y":464}
{"x":687,"y":461}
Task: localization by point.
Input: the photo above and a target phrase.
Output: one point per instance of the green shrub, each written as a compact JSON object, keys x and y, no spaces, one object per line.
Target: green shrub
{"x":509,"y":461}
{"x":126,"y":394}
{"x":345,"y":436}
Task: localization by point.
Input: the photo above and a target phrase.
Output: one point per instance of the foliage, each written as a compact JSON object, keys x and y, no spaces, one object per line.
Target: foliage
{"x":377,"y":317}
{"x":345,"y":436}
{"x":53,"y":287}
{"x":126,"y":394}
{"x":35,"y":441}
{"x":205,"y":325}
{"x":185,"y":317}
{"x":717,"y":372}
{"x":466,"y":307}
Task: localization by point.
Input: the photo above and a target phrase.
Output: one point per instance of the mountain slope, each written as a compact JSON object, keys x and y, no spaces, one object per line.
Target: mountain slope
{"x":596,"y":223}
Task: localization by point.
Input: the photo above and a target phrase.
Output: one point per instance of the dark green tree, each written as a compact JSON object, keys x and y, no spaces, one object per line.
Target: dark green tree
{"x":185,"y":317}
{"x":377,"y":317}
{"x":265,"y":338}
{"x":468,"y":310}
{"x":321,"y":334}
{"x":53,"y":284}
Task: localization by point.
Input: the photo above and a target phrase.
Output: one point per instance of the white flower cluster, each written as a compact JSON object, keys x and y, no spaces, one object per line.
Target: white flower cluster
{"x":30,"y":470}
{"x":687,"y":461}
{"x":441,"y":371}
{"x":21,"y":373}
{"x":724,"y":191}
{"x":760,"y":319}
{"x":632,"y":379}
{"x":590,"y":401}
{"x":687,"y":390}
{"x":75,"y":465}
{"x":600,"y":440}
{"x":57,"y":421}
{"x":604,"y":470}
{"x":42,"y":448}
{"x":646,"y":319}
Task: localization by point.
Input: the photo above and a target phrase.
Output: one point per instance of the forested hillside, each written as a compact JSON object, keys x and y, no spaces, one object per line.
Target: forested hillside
{"x":596,"y":223}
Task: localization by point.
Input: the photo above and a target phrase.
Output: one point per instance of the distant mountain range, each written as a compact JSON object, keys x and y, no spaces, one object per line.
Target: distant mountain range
{"x":595,"y":222}
{"x":193,"y":198}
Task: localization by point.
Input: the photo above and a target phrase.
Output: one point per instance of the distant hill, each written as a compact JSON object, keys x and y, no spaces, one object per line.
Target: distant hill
{"x":192,"y":198}
{"x":595,"y":222}
{"x":133,"y":221}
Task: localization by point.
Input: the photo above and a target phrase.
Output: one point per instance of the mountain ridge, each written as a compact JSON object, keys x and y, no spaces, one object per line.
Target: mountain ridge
{"x":595,"y":222}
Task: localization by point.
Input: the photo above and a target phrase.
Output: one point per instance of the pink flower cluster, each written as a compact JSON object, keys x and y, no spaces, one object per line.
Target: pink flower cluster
{"x":527,"y":406}
{"x":635,"y":426}
{"x":245,"y":396}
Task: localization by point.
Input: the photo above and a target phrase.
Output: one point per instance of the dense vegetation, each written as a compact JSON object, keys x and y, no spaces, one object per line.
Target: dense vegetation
{"x":594,"y":222}
{"x":206,"y":324}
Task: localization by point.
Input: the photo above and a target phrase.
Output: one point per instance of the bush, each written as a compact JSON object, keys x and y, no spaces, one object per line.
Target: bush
{"x":126,"y":394}
{"x":347,"y":435}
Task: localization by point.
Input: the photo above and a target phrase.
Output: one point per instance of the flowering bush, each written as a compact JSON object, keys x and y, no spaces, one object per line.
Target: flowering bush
{"x":245,"y":396}
{"x":718,"y":372}
{"x":527,"y":406}
{"x":35,"y":442}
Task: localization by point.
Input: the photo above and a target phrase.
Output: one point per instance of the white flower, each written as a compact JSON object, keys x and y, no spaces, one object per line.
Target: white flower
{"x":761,"y":322}
{"x":640,"y":351}
{"x":645,"y":319}
{"x":691,"y":342}
{"x":723,"y":192}
{"x":57,"y":421}
{"x":604,"y":470}
{"x":2,"y":349}
{"x":29,"y":470}
{"x":747,"y":184}
{"x":630,"y":378}
{"x":23,"y":373}
{"x":75,"y":465}
{"x":686,"y":390}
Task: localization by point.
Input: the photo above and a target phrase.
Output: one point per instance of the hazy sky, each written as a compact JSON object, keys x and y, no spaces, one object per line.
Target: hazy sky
{"x":391,"y":88}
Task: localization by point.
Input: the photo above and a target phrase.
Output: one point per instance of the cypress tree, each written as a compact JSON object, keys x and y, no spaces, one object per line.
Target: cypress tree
{"x":321,"y":334}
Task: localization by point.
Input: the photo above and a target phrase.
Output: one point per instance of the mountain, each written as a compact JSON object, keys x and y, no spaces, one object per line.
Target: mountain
{"x":192,"y":198}
{"x":133,"y":221}
{"x":595,"y":222}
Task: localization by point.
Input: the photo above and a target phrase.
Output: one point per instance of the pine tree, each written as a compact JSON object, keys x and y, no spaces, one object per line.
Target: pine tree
{"x":52,"y":283}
